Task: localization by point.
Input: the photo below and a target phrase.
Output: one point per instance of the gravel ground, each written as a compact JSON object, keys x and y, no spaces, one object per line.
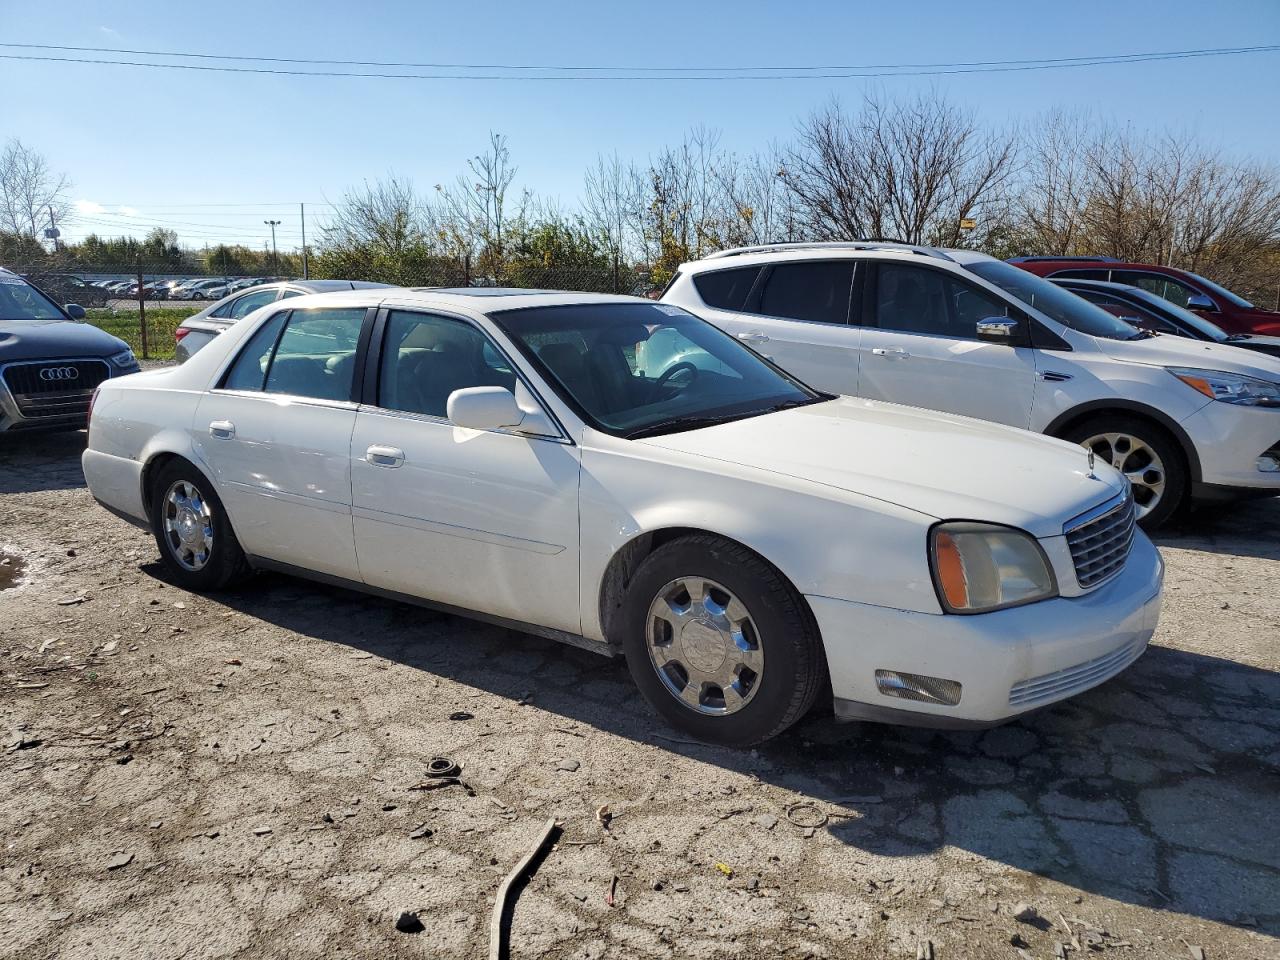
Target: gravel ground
{"x":233,"y":776}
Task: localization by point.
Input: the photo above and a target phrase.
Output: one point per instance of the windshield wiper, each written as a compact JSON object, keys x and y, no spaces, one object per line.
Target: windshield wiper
{"x":685,"y":423}
{"x":1237,"y":337}
{"x":1141,"y":335}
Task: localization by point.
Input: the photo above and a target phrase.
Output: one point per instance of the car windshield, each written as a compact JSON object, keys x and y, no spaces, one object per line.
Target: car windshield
{"x":643,"y":369}
{"x":19,"y":300}
{"x":1222,"y":291}
{"x":1053,"y":301}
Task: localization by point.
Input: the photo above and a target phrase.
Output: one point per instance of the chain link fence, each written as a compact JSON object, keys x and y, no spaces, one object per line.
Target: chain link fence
{"x":143,"y":302}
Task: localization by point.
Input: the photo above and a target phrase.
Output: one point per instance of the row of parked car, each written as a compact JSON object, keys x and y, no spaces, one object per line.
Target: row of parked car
{"x":851,"y":469}
{"x":194,"y":288}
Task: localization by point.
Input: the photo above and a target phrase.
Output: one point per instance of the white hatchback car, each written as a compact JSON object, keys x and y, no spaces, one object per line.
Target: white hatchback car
{"x":746,"y":542}
{"x":959,"y":331}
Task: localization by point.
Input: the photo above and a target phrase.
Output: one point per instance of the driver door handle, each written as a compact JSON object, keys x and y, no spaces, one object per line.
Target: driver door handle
{"x":753,"y":336}
{"x":381,"y":456}
{"x":891,"y":353}
{"x":222,"y":430}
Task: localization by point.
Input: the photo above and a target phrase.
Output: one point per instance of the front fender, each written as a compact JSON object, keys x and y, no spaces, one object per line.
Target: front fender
{"x":826,"y":542}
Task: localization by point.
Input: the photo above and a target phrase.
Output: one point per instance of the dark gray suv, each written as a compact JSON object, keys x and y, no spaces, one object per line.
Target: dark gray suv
{"x":49,"y":362}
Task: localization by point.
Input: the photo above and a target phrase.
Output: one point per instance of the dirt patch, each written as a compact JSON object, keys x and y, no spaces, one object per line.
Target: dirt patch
{"x":11,"y":570}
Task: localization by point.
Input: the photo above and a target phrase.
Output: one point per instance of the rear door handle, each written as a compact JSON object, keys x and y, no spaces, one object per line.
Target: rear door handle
{"x":891,"y":353}
{"x":222,"y":430}
{"x":381,"y":456}
{"x":753,"y":336}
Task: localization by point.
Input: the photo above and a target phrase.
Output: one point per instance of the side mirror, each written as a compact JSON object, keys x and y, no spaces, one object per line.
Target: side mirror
{"x":1198,"y":301}
{"x":74,"y":311}
{"x":483,"y":408}
{"x":1004,"y":330}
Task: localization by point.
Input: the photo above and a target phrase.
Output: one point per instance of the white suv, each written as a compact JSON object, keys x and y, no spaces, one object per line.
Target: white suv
{"x":960,"y":331}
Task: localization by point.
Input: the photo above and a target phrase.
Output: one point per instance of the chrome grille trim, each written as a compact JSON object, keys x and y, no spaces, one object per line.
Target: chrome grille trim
{"x":1069,"y":680}
{"x":1100,"y":540}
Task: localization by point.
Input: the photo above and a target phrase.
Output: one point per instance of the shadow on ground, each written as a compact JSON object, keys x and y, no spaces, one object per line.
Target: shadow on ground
{"x":31,"y":462}
{"x":1156,"y":789}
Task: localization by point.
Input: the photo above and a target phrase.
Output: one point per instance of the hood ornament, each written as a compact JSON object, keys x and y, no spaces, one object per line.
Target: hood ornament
{"x":1092,"y":458}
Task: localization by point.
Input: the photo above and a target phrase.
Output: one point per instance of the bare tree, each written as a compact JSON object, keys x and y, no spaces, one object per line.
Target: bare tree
{"x":610,"y":205}
{"x":474,"y":215}
{"x":30,"y":191}
{"x":900,"y":169}
{"x":378,"y":232}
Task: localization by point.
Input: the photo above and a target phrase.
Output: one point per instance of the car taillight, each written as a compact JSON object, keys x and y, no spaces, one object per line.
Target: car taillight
{"x":179,"y":333}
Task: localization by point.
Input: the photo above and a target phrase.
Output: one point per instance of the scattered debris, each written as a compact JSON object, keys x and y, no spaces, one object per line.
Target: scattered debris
{"x":604,"y":816}
{"x":261,"y":831}
{"x":568,"y":766}
{"x":1195,"y":951}
{"x":806,"y":815}
{"x":421,"y":832}
{"x":443,"y":767}
{"x":725,"y":869}
{"x":72,"y":601}
{"x":120,"y":860}
{"x":924,"y":951}
{"x":610,"y":898}
{"x":409,"y":923}
{"x":233,"y":662}
{"x":1026,"y":913}
{"x":497,"y":929}
{"x":767,"y":820}
{"x":461,"y":715}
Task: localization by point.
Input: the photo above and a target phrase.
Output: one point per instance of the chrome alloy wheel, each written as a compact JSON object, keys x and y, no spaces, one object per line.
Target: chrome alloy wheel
{"x":1137,"y":461}
{"x":704,"y":646}
{"x":188,"y":525}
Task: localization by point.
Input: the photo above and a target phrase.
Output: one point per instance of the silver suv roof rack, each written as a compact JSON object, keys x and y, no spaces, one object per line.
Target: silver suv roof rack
{"x":832,"y":245}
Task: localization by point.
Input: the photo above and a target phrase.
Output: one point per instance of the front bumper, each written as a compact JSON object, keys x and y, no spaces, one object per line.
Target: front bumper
{"x":1009,"y":662}
{"x":1229,"y":439}
{"x":75,"y":417}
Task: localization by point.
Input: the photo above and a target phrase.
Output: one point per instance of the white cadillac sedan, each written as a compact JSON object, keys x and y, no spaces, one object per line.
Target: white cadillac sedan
{"x":623,"y":476}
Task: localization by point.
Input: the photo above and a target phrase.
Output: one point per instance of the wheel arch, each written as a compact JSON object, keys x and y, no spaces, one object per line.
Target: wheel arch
{"x":626,"y":559}
{"x":1085,"y":411}
{"x":151,"y":469}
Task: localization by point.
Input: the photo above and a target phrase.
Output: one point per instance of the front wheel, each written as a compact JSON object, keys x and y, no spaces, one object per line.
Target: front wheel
{"x":1149,"y":458}
{"x":192,"y":531}
{"x":719,"y":643}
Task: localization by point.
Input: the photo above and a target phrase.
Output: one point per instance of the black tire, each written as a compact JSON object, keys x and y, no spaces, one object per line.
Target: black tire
{"x":795,"y":667}
{"x":226,"y":563}
{"x":1177,"y":475}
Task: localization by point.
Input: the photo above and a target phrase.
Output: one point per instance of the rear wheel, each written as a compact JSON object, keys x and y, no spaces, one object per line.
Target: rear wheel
{"x":191,"y":529}
{"x":719,"y":643}
{"x":1148,"y":457}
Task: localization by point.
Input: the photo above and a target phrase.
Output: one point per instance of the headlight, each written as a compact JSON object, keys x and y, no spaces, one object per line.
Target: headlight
{"x":1230,"y":387}
{"x":125,"y":360}
{"x":978,"y":567}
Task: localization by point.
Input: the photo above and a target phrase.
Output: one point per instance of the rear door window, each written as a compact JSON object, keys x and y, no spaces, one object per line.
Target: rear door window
{"x":726,"y":289}
{"x":314,"y":355}
{"x":1160,"y":284}
{"x":1081,"y":274}
{"x":814,"y":291}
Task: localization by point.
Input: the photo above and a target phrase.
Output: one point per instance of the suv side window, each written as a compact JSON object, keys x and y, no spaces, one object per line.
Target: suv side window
{"x":815,"y":290}
{"x":1161,"y":285}
{"x":244,"y":305}
{"x":426,"y":357}
{"x":915,"y":299}
{"x":1130,"y":312}
{"x":726,"y":289}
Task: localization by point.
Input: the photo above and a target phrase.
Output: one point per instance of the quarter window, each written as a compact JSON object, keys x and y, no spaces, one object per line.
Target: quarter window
{"x":426,"y":357}
{"x":249,"y":371}
{"x":726,"y":289}
{"x":814,"y":291}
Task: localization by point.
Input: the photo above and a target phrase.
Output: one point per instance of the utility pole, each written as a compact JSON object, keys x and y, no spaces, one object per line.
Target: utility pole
{"x":275,"y":258}
{"x":302,"y":209}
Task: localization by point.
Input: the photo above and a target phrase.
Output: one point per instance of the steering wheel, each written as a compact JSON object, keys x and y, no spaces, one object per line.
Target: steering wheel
{"x":669,"y":373}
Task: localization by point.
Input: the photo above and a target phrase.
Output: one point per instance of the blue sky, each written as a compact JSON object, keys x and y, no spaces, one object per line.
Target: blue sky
{"x":164,"y":146}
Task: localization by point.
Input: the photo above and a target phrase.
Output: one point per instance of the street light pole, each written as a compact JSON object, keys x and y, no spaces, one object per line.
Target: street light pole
{"x":275,"y":257}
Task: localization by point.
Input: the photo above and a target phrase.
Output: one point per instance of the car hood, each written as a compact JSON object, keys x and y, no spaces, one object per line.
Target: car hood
{"x":54,"y":339}
{"x":1165,"y":351}
{"x":945,"y":466}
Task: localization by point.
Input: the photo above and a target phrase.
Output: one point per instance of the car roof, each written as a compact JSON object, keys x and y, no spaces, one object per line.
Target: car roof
{"x":1103,"y":263}
{"x":1102,"y":285}
{"x":880,"y":249}
{"x":478,"y":299}
{"x":323,"y":286}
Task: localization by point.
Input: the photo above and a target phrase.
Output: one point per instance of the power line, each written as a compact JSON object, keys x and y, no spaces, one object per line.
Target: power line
{"x":674,"y":73}
{"x":614,"y":68}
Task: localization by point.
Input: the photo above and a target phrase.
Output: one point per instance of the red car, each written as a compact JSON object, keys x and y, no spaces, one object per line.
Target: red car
{"x":1232,"y":313}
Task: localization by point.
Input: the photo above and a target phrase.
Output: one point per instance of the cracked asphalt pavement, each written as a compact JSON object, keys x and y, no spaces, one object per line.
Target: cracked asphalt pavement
{"x":241,"y":775}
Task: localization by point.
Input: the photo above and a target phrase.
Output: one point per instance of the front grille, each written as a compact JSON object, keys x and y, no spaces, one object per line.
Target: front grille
{"x":1100,"y":544}
{"x":1063,"y":683}
{"x":54,"y":388}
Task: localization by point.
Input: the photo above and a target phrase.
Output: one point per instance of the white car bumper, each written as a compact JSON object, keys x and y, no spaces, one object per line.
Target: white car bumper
{"x":116,"y":483}
{"x":1007,"y":663}
{"x":1230,"y":439}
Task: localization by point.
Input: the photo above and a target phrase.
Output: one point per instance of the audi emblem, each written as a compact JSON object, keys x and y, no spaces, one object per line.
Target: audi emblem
{"x":59,"y":373}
